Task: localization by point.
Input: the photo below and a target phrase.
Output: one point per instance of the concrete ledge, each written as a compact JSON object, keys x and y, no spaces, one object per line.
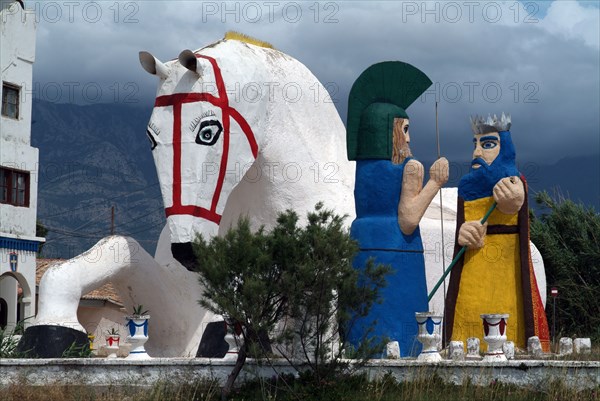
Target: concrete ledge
{"x":121,"y":372}
{"x":526,"y":373}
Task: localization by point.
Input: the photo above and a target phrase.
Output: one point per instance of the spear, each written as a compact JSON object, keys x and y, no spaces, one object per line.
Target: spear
{"x":437,"y":136}
{"x":458,"y":256}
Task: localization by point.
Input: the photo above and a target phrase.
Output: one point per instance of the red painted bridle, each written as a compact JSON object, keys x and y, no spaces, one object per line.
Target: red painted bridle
{"x":176,"y":101}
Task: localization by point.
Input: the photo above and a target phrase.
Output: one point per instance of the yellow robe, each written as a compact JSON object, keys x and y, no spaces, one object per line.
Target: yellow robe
{"x":497,"y":278}
{"x":491,"y":279}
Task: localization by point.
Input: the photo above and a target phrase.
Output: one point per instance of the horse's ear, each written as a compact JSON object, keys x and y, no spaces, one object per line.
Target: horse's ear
{"x":188,"y":59}
{"x":153,"y":65}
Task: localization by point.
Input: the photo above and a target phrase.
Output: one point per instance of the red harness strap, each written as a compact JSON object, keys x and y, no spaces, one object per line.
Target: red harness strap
{"x":177,"y":100}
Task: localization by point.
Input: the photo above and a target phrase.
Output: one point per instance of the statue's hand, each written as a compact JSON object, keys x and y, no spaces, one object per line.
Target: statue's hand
{"x":439,"y":171}
{"x":509,"y":194}
{"x":472,"y":234}
{"x":414,"y":168}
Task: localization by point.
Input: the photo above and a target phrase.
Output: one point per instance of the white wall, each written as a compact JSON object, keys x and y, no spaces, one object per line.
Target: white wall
{"x":8,"y":291}
{"x":17,"y":55}
{"x":540,"y":374}
{"x":25,"y":275}
{"x":17,"y":220}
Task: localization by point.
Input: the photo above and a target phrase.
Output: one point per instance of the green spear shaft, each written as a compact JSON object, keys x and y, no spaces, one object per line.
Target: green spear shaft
{"x":458,"y":256}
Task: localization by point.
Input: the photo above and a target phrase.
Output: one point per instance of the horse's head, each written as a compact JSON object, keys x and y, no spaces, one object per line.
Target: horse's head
{"x":201,"y":127}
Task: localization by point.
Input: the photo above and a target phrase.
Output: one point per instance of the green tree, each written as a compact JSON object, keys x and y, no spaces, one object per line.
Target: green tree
{"x":294,"y":284}
{"x":568,"y":237}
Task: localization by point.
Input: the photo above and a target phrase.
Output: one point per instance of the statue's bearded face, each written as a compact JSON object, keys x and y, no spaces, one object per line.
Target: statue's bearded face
{"x":487,"y":148}
{"x":493,"y":159}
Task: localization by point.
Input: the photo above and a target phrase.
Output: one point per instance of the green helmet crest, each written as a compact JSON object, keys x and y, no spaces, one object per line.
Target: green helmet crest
{"x":381,"y":93}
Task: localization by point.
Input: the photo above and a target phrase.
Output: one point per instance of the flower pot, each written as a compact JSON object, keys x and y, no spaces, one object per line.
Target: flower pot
{"x":233,"y":339}
{"x":112,"y":345}
{"x":494,"y":329}
{"x":430,"y":334}
{"x":138,"y":335}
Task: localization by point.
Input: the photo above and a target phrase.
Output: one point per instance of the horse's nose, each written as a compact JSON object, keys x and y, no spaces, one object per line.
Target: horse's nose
{"x":184,"y":254}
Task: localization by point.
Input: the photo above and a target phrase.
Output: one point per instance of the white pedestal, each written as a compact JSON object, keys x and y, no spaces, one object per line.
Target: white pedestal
{"x":456,"y":351}
{"x":494,"y":328}
{"x":138,"y":335}
{"x":473,"y":348}
{"x":392,"y":350}
{"x":565,"y":346}
{"x":534,"y":347}
{"x":112,"y":345}
{"x":430,"y":334}
{"x":582,"y":345}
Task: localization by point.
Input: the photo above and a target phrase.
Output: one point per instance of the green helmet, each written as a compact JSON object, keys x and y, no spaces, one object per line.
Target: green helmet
{"x":381,"y":93}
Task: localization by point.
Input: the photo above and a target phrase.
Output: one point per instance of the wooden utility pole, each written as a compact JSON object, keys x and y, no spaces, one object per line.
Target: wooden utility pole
{"x":112,"y":220}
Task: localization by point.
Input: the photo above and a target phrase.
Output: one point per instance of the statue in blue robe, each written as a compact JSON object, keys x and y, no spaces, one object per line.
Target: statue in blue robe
{"x":390,"y":198}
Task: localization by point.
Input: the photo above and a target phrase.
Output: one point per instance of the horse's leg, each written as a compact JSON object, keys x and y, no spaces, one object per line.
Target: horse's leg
{"x":169,"y":292}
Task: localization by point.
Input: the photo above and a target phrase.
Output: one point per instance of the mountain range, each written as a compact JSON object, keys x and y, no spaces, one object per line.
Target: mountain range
{"x":96,"y":157}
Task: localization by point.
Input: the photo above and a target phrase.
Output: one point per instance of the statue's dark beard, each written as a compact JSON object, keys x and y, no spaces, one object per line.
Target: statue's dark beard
{"x":479,"y":182}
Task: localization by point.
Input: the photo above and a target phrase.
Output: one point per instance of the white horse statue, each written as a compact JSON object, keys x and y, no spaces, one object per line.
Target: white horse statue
{"x":238,"y":129}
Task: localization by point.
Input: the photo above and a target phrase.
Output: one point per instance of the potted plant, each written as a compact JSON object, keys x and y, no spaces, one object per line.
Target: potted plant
{"x":113,"y":339}
{"x":139,"y":312}
{"x":137,"y":324}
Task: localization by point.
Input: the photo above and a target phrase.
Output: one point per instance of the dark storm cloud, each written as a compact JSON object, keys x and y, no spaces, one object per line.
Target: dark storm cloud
{"x":541,"y":66}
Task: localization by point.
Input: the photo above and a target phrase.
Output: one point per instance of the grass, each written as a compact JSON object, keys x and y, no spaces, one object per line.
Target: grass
{"x":349,"y":388}
{"x":162,"y":391}
{"x":358,"y":388}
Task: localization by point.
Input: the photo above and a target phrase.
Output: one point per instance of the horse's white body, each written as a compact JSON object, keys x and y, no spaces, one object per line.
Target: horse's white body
{"x":300,"y":160}
{"x":286,"y":150}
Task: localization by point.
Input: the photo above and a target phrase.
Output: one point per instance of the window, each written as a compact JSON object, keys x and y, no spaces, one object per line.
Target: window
{"x":10,"y":100}
{"x":14,"y":187}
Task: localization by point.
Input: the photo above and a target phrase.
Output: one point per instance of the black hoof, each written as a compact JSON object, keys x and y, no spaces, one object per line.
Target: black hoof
{"x":213,"y":344}
{"x":50,"y":341}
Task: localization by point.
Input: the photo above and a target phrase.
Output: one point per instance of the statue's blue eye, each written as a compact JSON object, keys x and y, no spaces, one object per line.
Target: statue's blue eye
{"x":489,"y":144}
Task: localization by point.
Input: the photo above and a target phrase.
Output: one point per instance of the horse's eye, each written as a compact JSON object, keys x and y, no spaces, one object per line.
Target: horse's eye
{"x":209,"y":132}
{"x":151,"y":138}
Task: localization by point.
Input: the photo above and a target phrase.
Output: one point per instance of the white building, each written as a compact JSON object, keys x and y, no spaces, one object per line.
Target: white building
{"x":18,"y":166}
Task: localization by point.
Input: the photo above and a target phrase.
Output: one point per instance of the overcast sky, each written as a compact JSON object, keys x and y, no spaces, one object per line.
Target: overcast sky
{"x":539,"y":61}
